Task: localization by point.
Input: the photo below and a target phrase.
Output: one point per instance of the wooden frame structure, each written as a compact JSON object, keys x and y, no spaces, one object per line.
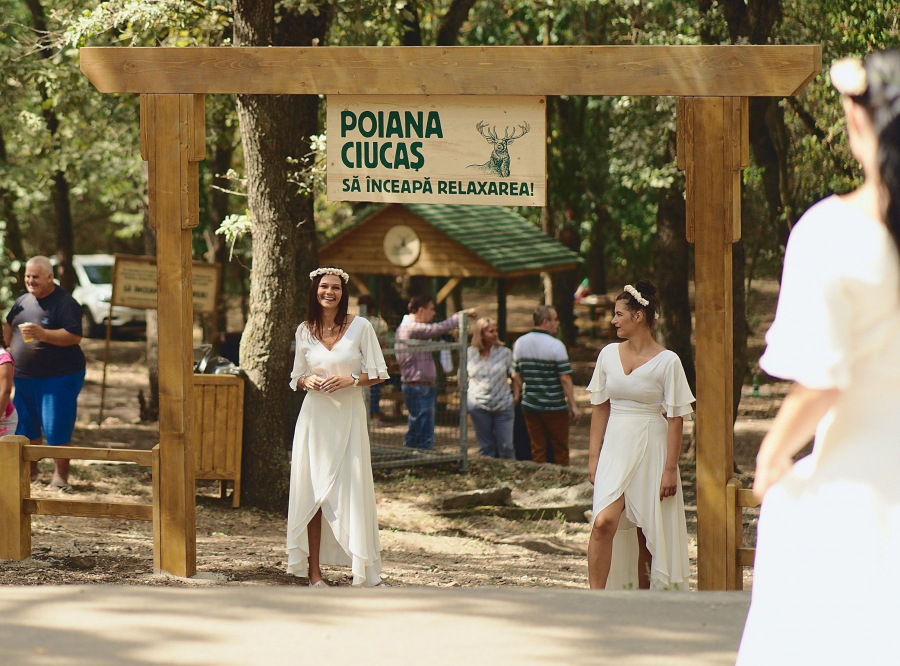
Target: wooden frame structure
{"x":712,"y":121}
{"x":17,"y":506}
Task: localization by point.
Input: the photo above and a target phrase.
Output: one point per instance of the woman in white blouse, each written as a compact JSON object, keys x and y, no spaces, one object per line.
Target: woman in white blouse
{"x":489,"y":398}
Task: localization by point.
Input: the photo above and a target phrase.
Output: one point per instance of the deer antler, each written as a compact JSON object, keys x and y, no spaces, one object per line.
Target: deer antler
{"x":491,"y":135}
{"x":509,"y":138}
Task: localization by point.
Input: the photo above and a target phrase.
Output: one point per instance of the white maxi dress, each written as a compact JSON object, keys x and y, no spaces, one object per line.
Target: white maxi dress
{"x":826,"y":584}
{"x":331,"y":466}
{"x":632,"y":461}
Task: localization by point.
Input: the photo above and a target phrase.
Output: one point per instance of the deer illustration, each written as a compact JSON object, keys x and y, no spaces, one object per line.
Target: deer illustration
{"x":499,"y":162}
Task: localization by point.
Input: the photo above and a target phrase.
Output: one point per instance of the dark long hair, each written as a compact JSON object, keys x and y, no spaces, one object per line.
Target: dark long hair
{"x":314,"y":310}
{"x":881,"y":100}
{"x":648,"y":292}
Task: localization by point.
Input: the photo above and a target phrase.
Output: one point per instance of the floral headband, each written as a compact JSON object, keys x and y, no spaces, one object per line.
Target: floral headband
{"x":329,"y":271}
{"x":849,"y":77}
{"x":636,"y":295}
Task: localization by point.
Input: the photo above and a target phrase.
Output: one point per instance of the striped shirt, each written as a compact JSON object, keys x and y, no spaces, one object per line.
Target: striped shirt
{"x":489,"y":378}
{"x":420,"y":367}
{"x":540,"y":359}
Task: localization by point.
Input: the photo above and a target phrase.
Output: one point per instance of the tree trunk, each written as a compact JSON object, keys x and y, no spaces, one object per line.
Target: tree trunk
{"x":274,"y":129}
{"x":671,"y":261}
{"x":596,"y":262}
{"x":564,"y":285}
{"x":12,"y":241}
{"x":220,"y":204}
{"x":65,"y":237}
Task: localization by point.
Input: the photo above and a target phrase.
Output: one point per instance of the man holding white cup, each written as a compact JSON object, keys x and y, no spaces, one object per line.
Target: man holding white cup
{"x":44,"y":327}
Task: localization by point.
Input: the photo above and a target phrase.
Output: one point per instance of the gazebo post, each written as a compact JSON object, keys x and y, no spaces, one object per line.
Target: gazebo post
{"x":501,"y":307}
{"x":712,"y":149}
{"x":172,"y":142}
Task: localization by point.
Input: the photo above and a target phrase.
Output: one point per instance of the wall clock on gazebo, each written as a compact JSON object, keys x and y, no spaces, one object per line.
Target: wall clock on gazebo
{"x":402,"y":245}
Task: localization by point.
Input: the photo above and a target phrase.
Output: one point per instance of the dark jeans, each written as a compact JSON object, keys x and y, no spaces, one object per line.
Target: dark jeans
{"x":493,"y":431}
{"x":374,"y":400}
{"x":420,"y":403}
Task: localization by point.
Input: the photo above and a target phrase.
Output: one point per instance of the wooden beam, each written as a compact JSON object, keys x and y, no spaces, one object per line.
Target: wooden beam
{"x":746,"y":499}
{"x":31,"y":453}
{"x":447,"y":289}
{"x":728,"y":71}
{"x":79,"y":509}
{"x":15,"y":488}
{"x":734,"y":536}
{"x":174,"y":126}
{"x":713,"y":204}
{"x":746,"y":557}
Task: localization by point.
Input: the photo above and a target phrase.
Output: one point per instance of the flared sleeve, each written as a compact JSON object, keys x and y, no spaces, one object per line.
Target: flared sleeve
{"x":597,"y":386}
{"x":301,"y":367}
{"x":677,"y":396}
{"x":372,"y":363}
{"x":809,"y":341}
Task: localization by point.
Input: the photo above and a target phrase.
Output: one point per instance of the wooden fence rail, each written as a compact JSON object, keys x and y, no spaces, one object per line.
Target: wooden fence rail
{"x":737,"y":498}
{"x":17,"y":506}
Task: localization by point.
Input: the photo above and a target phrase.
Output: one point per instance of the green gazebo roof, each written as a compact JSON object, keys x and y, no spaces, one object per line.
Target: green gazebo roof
{"x":501,"y":237}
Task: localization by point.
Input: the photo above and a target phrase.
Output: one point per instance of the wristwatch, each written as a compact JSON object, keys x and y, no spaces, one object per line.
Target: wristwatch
{"x":355,"y":378}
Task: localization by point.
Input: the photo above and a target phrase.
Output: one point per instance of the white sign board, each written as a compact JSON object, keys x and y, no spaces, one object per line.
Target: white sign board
{"x":134,"y":283}
{"x":437,"y":149}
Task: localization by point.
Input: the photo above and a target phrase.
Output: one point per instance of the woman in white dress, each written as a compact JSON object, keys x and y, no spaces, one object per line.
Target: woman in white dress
{"x":825,"y":584}
{"x":640,"y":397}
{"x":331,"y":515}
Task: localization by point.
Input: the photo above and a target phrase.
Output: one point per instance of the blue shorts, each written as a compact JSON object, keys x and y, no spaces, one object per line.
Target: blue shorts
{"x":48,"y":404}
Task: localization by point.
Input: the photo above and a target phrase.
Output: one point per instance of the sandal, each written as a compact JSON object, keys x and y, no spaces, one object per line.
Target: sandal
{"x":319,"y":583}
{"x":61,"y":485}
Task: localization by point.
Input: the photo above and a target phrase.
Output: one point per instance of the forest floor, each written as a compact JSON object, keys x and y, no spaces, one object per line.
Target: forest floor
{"x":423,"y":545}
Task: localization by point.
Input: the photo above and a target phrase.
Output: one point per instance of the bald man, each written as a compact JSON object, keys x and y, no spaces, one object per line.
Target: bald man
{"x":44,"y":330}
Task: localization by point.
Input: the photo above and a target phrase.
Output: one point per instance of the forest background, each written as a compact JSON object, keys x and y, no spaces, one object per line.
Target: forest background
{"x":72,"y":181}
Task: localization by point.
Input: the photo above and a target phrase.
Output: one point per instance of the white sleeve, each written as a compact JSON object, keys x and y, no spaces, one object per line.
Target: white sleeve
{"x":809,"y":341}
{"x":372,"y":363}
{"x":597,"y":385}
{"x":677,"y":396}
{"x":301,"y":367}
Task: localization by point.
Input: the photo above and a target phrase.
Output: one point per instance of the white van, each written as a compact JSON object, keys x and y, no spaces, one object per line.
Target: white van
{"x":93,"y":291}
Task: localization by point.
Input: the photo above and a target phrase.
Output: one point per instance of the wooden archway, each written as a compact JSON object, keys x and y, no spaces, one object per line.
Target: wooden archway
{"x":711,"y":82}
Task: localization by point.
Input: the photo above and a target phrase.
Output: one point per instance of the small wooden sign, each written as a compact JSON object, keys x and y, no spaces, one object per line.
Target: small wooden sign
{"x":134,"y":283}
{"x":437,"y":149}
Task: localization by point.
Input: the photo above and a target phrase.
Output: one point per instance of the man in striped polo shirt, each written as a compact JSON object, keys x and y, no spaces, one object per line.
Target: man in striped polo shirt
{"x":542,"y":381}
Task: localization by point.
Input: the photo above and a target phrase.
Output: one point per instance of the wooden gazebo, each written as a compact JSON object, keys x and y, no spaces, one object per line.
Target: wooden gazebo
{"x":444,"y":241}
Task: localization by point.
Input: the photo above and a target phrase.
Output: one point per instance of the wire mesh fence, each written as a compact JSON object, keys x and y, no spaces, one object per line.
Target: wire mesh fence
{"x":389,"y":414}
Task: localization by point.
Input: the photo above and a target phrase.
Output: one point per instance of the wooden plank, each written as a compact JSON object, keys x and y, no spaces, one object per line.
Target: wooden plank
{"x":232,"y":435}
{"x":730,"y":71}
{"x":708,"y":169}
{"x":80,"y":509}
{"x":679,"y":133}
{"x":206,"y":424}
{"x":238,"y":431}
{"x":220,"y":429}
{"x":746,"y":499}
{"x":190,"y":176}
{"x":15,"y":488}
{"x":176,"y":486}
{"x":685,"y":135}
{"x":157,"y":566}
{"x":734,"y":536}
{"x":31,"y":452}
{"x":746,"y":556}
{"x":447,"y":289}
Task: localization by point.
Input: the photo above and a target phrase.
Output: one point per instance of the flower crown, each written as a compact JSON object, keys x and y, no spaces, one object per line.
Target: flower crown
{"x":329,"y":271}
{"x":849,"y":77}
{"x":636,"y":295}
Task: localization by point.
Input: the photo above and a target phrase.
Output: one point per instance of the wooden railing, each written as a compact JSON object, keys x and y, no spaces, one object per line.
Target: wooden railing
{"x":737,"y":498}
{"x":17,"y":506}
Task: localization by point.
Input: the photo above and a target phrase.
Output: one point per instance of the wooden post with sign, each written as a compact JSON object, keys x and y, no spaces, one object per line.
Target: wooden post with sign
{"x":713,"y":79}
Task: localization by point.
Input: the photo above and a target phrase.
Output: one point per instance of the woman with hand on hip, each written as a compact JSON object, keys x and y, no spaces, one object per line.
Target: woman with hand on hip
{"x":331,"y":513}
{"x":489,"y":397}
{"x":640,"y":397}
{"x":825,"y":582}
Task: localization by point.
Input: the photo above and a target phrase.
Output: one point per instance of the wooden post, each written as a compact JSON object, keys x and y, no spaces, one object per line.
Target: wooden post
{"x":15,"y":486}
{"x":172,"y":142}
{"x":712,"y":150}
